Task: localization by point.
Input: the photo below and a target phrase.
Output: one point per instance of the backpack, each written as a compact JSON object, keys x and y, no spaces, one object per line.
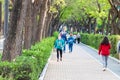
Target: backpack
{"x":71,"y":41}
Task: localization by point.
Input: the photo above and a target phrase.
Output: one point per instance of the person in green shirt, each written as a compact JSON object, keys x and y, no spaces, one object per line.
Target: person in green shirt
{"x":59,"y":44}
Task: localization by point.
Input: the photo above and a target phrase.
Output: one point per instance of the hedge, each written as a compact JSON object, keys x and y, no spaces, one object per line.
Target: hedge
{"x":94,"y":41}
{"x":30,"y":64}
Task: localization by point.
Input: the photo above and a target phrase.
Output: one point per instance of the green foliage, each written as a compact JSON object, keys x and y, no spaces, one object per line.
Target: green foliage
{"x":24,"y":67}
{"x":80,"y":10}
{"x":95,"y":40}
{"x":53,"y":9}
{"x":74,"y":33}
{"x":2,"y":1}
{"x":5,"y":69}
{"x":1,"y":78}
{"x":30,"y":64}
{"x":56,"y":6}
{"x":55,"y":34}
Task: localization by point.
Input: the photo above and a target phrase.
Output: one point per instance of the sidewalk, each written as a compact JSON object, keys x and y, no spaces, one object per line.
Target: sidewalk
{"x":78,"y":65}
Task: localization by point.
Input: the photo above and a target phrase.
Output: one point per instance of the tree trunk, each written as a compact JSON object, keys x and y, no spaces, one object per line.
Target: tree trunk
{"x":95,"y":24}
{"x":43,"y":15}
{"x":103,"y":24}
{"x":113,"y":21}
{"x":0,"y":14}
{"x":47,"y":20}
{"x":13,"y":42}
{"x":36,"y":6}
{"x":28,"y":26}
{"x":48,"y":28}
{"x":38,"y":25}
{"x":114,"y":16}
{"x":34,"y":24}
{"x":89,"y":25}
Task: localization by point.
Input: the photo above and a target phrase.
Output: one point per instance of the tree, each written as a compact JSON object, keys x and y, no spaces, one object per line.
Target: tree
{"x":13,"y":41}
{"x":85,"y":14}
{"x":35,"y":10}
{"x":41,"y":22}
{"x":114,"y":16}
{"x":57,"y":9}
{"x":28,"y":27}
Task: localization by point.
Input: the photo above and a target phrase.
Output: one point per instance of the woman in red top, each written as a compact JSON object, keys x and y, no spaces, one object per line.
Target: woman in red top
{"x":104,"y":50}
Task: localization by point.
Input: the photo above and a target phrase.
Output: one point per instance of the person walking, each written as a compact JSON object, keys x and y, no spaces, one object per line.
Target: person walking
{"x":104,"y":51}
{"x":64,"y":37}
{"x":78,"y":38}
{"x":59,"y":44}
{"x":118,"y":49}
{"x":75,"y":38}
{"x":70,"y":42}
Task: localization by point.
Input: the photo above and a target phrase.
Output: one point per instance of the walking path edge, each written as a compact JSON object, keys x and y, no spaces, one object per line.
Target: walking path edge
{"x":42,"y":75}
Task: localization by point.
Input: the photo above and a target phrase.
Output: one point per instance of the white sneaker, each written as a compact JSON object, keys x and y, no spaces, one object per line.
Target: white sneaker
{"x":104,"y":69}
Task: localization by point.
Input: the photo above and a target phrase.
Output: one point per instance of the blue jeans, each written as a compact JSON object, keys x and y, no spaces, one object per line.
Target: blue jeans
{"x":105,"y":61}
{"x":70,"y":47}
{"x":64,"y":49}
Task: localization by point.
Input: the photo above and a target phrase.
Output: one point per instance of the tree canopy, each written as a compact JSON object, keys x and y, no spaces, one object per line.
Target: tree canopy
{"x":30,"y":22}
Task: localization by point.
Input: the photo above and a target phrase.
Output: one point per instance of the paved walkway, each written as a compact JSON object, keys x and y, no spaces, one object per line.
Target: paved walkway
{"x":78,"y":65}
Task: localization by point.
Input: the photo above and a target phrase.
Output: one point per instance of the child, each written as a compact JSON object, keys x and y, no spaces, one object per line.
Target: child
{"x":59,"y":44}
{"x":70,"y":42}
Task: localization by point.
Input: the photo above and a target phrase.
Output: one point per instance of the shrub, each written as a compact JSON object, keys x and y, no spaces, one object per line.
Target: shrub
{"x":95,"y":40}
{"x":55,"y":34}
{"x":29,"y":65}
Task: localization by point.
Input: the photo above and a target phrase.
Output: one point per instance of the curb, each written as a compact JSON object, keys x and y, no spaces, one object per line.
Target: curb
{"x":101,"y":63}
{"x":97,"y":51}
{"x":109,"y":57}
{"x":42,"y":75}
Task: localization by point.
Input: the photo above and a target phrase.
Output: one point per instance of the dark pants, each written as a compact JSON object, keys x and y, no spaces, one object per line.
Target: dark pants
{"x":78,"y":39}
{"x":59,"y":51}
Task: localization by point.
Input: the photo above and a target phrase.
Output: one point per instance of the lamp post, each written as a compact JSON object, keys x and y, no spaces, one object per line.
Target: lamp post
{"x":6,"y":18}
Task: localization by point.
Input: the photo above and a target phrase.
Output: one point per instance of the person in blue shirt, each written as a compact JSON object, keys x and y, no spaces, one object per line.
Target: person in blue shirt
{"x":70,"y":42}
{"x":64,"y":37}
{"x":59,"y":44}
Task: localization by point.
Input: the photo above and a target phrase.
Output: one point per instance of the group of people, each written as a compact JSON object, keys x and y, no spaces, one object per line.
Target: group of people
{"x":104,"y":48}
{"x":60,"y":44}
{"x":63,"y":39}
